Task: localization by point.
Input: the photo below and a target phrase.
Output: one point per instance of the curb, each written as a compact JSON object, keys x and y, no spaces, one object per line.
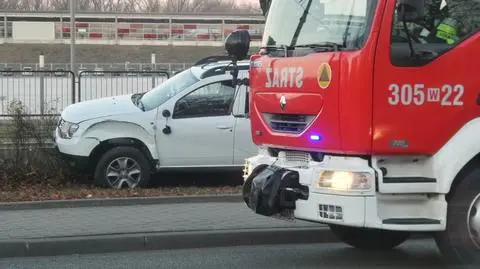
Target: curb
{"x":167,"y":240}
{"x":233,"y":198}
{"x":162,"y":241}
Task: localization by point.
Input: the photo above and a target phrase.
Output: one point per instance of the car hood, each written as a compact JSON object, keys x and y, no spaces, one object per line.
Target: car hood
{"x":99,"y":108}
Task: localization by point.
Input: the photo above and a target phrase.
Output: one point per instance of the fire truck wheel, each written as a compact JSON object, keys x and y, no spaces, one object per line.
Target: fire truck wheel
{"x":369,"y":239}
{"x":460,"y":242}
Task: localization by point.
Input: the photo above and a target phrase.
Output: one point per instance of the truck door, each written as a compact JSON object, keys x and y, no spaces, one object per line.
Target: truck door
{"x":422,"y":97}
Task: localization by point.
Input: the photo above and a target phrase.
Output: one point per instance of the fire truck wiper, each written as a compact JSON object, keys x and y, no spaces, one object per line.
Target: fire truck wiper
{"x":275,"y":48}
{"x":323,"y":46}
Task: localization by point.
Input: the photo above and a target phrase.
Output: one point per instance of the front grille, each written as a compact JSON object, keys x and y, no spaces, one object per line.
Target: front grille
{"x":330,"y":212}
{"x":288,"y":123}
{"x":294,"y":158}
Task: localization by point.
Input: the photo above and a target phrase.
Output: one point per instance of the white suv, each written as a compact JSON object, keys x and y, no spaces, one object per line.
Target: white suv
{"x":196,"y":119}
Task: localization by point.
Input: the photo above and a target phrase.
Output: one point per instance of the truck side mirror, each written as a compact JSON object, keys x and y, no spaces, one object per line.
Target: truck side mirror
{"x":265,"y":6}
{"x":237,"y":44}
{"x":411,"y":10}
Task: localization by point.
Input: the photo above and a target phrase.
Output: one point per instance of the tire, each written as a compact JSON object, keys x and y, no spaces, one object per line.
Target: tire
{"x":112,"y":158}
{"x":457,"y":243}
{"x":369,"y":239}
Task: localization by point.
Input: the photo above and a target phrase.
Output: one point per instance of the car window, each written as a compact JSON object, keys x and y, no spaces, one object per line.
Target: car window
{"x":211,"y":100}
{"x":163,"y":92}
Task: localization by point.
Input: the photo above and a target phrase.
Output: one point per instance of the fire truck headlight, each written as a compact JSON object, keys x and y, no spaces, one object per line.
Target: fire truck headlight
{"x":345,"y":181}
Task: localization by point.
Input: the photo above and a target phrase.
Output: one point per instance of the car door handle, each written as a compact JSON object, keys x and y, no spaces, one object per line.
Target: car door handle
{"x":222,"y":127}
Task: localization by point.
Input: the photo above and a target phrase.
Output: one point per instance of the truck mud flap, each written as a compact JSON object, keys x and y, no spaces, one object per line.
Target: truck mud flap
{"x":271,"y":190}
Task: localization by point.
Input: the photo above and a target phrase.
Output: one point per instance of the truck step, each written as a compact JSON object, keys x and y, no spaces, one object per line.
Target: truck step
{"x":393,"y":180}
{"x":411,"y":221}
{"x":410,"y":184}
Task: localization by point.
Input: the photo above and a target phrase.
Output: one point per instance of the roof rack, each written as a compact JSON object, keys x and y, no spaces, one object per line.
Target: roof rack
{"x":212,"y":59}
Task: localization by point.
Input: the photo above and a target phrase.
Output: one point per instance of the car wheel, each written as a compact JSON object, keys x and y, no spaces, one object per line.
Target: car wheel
{"x":122,"y":167}
{"x":369,"y":239}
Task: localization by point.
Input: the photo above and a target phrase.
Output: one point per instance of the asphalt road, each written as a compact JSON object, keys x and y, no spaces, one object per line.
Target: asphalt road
{"x":412,"y":255}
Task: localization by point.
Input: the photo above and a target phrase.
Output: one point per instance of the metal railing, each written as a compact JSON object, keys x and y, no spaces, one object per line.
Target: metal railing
{"x":49,"y":92}
{"x":127,"y":66}
{"x":99,"y":84}
{"x":41,"y":92}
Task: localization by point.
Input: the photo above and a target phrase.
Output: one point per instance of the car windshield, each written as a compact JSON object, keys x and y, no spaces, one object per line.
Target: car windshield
{"x":343,"y":23}
{"x":163,"y":92}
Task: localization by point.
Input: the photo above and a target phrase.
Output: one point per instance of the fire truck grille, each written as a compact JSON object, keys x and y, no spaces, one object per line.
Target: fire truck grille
{"x":294,"y":158}
{"x":331,"y":212}
{"x":288,"y":123}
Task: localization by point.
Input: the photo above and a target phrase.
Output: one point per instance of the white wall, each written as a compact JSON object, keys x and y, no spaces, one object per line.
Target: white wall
{"x":35,"y":31}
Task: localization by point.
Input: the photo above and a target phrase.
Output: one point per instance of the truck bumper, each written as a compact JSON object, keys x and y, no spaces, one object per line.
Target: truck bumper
{"x":281,"y":190}
{"x":278,"y":189}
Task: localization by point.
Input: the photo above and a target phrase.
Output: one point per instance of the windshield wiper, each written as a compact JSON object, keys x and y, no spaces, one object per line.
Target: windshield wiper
{"x":275,"y":48}
{"x":301,"y":22}
{"x":321,"y":46}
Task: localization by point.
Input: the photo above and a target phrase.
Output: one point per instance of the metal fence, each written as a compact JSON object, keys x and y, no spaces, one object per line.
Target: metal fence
{"x":49,"y":92}
{"x":41,"y":92}
{"x":98,"y":84}
{"x":127,"y":66}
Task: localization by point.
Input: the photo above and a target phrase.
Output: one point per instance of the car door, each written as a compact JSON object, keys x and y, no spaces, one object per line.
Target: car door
{"x":201,"y":125}
{"x":243,"y":146}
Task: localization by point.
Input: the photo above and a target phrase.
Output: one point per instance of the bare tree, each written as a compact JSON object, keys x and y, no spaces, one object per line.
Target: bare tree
{"x":59,"y":5}
{"x":176,"y":6}
{"x":130,"y":5}
{"x":213,"y":5}
{"x":143,"y":6}
{"x":181,"y":6}
{"x":32,"y":5}
{"x":9,"y":4}
{"x":148,"y":6}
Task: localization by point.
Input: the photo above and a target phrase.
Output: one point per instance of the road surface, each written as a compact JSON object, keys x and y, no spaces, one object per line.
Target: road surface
{"x":91,"y":221}
{"x":421,"y":254}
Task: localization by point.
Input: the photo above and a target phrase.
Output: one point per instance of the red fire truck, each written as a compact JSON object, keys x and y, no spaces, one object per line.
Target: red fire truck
{"x":367,"y":116}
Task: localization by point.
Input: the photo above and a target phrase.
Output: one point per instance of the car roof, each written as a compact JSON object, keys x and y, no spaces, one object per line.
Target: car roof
{"x":216,"y":68}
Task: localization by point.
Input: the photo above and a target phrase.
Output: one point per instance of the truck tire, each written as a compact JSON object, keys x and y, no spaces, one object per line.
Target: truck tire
{"x":369,"y":239}
{"x":460,"y":242}
{"x":122,"y":166}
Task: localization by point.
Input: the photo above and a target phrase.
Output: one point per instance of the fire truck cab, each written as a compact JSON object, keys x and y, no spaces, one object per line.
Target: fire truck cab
{"x":367,"y":115}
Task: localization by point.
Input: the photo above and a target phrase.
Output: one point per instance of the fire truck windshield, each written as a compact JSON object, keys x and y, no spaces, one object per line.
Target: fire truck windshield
{"x":334,"y":24}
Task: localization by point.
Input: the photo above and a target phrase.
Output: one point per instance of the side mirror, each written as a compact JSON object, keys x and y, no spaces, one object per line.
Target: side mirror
{"x":166,"y":113}
{"x":237,"y":44}
{"x":411,"y":10}
{"x":265,"y":6}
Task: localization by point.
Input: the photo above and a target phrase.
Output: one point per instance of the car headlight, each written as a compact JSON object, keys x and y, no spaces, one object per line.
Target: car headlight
{"x":67,"y":129}
{"x":345,"y":181}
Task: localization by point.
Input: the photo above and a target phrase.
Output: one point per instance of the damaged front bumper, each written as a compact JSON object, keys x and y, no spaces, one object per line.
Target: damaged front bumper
{"x":337,"y":190}
{"x":272,"y":191}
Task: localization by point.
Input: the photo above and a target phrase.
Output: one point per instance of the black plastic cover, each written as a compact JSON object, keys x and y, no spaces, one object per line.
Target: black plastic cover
{"x":268,"y":195}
